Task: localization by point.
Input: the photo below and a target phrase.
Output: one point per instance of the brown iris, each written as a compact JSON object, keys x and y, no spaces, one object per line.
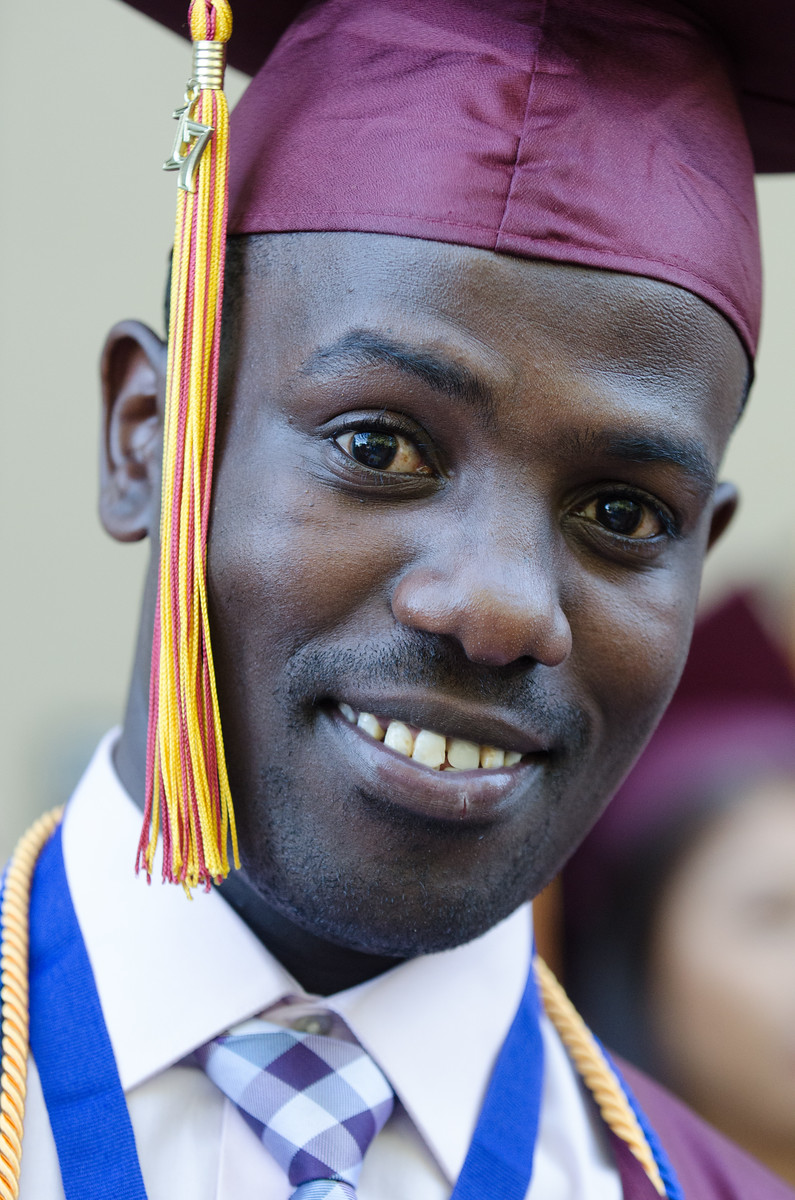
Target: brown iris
{"x":381,"y":450}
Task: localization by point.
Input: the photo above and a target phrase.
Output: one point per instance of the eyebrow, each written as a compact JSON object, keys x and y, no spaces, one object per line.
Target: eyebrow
{"x":361,"y":347}
{"x":669,"y":450}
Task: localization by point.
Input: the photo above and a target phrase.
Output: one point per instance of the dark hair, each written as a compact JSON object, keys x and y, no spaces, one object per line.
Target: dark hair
{"x":233,"y":269}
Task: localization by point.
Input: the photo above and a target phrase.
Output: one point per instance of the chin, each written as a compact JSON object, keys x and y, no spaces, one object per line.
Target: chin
{"x":392,"y":928}
{"x":366,"y":874}
{"x":396,"y":910}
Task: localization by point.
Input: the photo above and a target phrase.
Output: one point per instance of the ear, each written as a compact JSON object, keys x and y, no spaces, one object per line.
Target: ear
{"x":725,"y":504}
{"x":133,"y":389}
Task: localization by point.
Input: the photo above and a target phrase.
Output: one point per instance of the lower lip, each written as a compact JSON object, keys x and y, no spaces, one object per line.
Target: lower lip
{"x":459,"y":797}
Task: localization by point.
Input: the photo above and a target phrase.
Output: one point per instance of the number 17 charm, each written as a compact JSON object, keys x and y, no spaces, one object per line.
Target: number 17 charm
{"x":190,"y":141}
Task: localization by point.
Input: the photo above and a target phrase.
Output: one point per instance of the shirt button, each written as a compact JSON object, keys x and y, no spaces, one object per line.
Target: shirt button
{"x":314,"y":1023}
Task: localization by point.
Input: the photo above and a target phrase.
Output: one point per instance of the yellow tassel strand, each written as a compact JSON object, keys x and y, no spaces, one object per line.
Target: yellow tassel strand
{"x":14,"y":916}
{"x":595,"y":1071}
{"x":188,"y":798}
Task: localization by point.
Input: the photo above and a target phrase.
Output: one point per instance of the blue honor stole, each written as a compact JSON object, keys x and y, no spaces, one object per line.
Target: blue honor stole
{"x":88,"y":1112}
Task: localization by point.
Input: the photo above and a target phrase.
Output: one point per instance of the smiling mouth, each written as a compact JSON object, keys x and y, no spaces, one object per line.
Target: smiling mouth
{"x":430,"y":748}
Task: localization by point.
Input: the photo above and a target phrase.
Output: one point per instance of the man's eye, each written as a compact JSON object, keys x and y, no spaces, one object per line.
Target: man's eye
{"x":382,"y":451}
{"x":625,"y":516}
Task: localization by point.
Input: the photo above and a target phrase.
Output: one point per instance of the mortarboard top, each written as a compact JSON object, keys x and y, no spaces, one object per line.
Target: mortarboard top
{"x":607,"y":134}
{"x":759,"y":36}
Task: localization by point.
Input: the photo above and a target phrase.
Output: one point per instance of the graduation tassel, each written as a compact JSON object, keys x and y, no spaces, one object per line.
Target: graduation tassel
{"x":187,"y":789}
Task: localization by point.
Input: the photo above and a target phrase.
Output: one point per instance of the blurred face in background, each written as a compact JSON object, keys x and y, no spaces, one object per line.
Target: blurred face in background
{"x":722,"y":974}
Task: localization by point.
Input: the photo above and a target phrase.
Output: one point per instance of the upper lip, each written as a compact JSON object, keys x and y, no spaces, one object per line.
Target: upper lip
{"x":451,"y":717}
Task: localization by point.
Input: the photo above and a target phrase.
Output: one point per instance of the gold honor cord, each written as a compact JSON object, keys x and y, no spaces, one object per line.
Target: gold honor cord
{"x":580,"y":1043}
{"x":14,"y":916}
{"x":595,"y":1071}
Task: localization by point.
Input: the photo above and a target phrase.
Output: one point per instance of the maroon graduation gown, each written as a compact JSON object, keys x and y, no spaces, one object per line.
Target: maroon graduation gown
{"x":708,"y":1165}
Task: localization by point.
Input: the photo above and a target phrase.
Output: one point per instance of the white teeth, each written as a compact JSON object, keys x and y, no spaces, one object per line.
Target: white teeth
{"x":461,"y":754}
{"x":370,"y":725}
{"x":491,"y":756}
{"x":398,"y":737}
{"x":429,"y":748}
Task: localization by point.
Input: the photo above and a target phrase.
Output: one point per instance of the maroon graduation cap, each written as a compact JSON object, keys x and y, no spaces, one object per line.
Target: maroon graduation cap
{"x":615,"y":134}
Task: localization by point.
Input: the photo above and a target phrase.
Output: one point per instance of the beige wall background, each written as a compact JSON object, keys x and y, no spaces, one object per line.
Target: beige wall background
{"x":85,"y":224}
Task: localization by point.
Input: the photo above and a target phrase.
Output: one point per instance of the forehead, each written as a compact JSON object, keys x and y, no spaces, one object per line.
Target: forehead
{"x":513,"y":322}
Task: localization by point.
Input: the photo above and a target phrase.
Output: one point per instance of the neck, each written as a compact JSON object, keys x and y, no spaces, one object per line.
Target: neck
{"x":320,"y":967}
{"x":129,"y":756}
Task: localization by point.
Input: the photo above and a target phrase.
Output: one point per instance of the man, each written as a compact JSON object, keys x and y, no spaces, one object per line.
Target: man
{"x":482,"y":358}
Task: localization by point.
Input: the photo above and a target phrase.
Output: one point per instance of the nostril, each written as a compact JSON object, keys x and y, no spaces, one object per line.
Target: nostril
{"x":494,"y":622}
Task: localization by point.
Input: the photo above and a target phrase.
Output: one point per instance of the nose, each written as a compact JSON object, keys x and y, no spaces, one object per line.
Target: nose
{"x":500,"y":604}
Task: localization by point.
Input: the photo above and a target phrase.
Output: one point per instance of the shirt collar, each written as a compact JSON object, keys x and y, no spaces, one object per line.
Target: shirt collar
{"x":173,"y":973}
{"x":435,"y":1026}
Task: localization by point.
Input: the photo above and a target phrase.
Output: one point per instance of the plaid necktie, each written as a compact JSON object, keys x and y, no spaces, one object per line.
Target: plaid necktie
{"x":316,"y":1102}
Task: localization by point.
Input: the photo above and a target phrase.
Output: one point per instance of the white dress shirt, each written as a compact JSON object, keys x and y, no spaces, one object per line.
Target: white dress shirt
{"x":171,"y":974}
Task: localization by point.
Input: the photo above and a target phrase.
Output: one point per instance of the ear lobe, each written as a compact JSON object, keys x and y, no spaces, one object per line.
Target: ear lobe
{"x":725,"y":506}
{"x":133,"y":388}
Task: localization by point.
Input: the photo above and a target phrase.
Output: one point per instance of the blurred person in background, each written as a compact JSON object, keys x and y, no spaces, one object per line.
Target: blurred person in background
{"x":679,"y":907}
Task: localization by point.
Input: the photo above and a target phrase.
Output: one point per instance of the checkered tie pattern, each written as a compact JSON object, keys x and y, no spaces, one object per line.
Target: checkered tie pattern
{"x":316,"y":1102}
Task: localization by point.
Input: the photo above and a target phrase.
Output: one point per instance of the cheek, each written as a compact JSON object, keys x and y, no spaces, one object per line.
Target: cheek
{"x":283,"y":559}
{"x":630,"y":637}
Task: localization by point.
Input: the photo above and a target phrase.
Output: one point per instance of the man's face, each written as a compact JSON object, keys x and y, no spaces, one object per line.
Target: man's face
{"x":467,"y":493}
